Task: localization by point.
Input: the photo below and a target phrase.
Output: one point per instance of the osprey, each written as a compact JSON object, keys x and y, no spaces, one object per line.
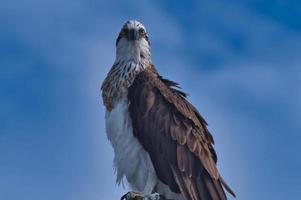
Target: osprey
{"x":161,"y":143}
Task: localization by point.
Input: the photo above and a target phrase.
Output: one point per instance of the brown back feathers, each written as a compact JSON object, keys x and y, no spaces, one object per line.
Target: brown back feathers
{"x":176,"y":137}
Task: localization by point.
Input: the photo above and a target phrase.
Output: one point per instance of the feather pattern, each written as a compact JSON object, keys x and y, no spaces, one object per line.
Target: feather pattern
{"x":161,"y":142}
{"x":176,"y":137}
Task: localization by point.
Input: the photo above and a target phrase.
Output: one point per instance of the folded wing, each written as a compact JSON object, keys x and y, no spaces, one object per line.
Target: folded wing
{"x":176,"y":137}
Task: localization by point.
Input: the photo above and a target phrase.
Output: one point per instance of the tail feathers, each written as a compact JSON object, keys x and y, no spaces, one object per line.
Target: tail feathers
{"x":181,"y":183}
{"x":226,"y":186}
{"x":203,"y":191}
{"x":203,"y":187}
{"x":213,"y":187}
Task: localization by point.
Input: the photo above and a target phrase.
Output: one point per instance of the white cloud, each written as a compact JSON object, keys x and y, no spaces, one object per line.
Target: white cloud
{"x":79,"y":38}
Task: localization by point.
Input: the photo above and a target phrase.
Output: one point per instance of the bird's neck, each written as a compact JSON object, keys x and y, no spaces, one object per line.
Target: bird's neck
{"x":131,"y":59}
{"x":137,"y":52}
{"x":121,"y":76}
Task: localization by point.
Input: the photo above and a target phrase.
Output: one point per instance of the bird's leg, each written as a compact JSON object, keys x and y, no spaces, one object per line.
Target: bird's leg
{"x":140,"y":196}
{"x":148,"y":190}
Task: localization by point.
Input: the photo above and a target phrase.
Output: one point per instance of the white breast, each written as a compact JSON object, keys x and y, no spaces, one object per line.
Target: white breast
{"x":131,"y":160}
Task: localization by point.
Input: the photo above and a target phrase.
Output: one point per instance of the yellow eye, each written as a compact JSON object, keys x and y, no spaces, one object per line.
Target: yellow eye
{"x":141,"y":31}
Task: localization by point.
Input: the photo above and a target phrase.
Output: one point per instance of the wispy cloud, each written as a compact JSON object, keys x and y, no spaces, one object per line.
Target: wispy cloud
{"x":241,"y":68}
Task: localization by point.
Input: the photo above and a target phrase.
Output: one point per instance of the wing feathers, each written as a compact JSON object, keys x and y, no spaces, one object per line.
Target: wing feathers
{"x":182,"y":185}
{"x":227,"y":187}
{"x":176,"y":138}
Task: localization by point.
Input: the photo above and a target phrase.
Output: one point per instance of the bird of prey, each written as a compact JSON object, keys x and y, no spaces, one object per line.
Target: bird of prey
{"x":161,"y":142}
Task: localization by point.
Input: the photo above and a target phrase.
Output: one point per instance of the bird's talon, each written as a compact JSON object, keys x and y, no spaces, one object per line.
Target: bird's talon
{"x":140,"y":196}
{"x":133,"y":196}
{"x":154,"y":196}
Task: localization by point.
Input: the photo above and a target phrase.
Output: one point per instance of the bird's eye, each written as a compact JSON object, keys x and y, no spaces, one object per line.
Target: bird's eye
{"x":141,"y":31}
{"x":125,"y":31}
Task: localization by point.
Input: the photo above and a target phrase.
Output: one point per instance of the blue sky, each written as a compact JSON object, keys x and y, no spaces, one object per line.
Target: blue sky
{"x":239,"y":61}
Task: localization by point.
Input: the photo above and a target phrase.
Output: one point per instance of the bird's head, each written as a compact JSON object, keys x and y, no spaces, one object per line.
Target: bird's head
{"x":133,"y":43}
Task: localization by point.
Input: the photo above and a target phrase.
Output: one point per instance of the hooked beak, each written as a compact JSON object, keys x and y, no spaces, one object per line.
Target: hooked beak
{"x":133,"y":35}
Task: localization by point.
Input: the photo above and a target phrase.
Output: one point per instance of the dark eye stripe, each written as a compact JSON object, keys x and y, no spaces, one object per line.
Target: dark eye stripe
{"x":119,"y":37}
{"x":121,"y":34}
{"x":146,"y":38}
{"x":125,"y":30}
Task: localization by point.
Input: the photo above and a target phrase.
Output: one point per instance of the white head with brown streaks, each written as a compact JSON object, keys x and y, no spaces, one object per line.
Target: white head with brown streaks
{"x":132,"y":44}
{"x":132,"y":56}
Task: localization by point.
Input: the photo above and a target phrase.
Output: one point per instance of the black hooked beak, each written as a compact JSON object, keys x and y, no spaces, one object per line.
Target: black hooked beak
{"x":133,"y":35}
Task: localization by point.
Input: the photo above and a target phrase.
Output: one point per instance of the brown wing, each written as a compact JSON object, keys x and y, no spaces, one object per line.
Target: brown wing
{"x":176,"y":138}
